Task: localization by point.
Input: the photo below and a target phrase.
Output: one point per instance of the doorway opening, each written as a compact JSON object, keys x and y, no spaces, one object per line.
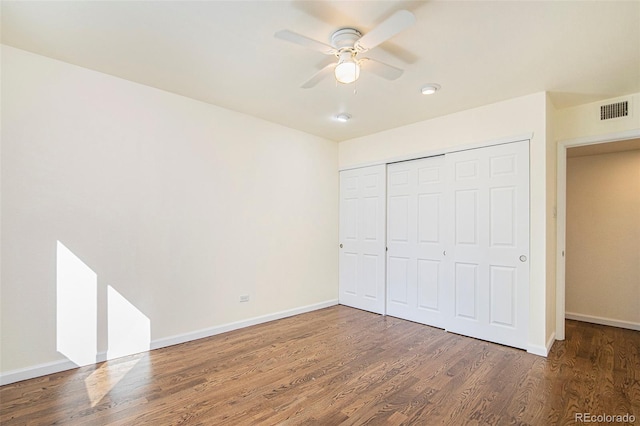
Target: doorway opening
{"x":563,"y":147}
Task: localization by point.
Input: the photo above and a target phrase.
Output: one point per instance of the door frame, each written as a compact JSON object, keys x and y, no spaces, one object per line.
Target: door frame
{"x":561,"y":205}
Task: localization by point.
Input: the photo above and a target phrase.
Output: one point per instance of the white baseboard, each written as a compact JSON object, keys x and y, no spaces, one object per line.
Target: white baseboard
{"x":602,"y":321}
{"x":550,"y":342}
{"x":542,"y":350}
{"x":43,"y":369}
{"x":36,"y":371}
{"x":62,"y":365}
{"x":207,"y":332}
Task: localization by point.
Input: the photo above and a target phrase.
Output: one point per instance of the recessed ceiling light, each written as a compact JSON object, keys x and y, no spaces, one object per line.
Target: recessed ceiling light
{"x":343,"y":117}
{"x":430,"y":89}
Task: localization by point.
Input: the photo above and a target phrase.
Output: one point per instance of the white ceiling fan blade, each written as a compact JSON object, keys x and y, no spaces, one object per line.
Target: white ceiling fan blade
{"x":394,"y":24}
{"x":319,"y":76}
{"x":301,"y":40}
{"x":381,"y":69}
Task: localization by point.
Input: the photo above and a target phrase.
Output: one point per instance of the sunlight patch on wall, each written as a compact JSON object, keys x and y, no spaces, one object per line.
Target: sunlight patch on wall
{"x":129,"y":329}
{"x":76,"y":308}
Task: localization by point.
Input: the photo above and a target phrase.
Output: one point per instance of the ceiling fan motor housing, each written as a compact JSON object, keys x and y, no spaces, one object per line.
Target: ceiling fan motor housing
{"x":345,"y":38}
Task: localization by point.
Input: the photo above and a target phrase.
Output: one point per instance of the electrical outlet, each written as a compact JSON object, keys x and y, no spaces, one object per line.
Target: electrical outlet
{"x":244,"y":298}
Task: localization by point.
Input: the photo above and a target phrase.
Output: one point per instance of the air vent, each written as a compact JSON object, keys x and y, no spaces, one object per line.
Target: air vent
{"x":615,"y":110}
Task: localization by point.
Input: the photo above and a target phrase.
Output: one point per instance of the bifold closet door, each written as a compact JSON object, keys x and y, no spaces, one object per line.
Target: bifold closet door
{"x":416,"y":228}
{"x":362,"y":238}
{"x":489,"y":254}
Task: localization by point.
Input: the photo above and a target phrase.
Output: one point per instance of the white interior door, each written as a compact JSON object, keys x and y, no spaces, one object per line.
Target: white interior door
{"x":362,"y":238}
{"x":489,"y":274}
{"x":415,"y":239}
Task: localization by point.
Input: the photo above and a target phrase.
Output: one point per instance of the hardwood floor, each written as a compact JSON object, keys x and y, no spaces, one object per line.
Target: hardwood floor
{"x":342,"y":366}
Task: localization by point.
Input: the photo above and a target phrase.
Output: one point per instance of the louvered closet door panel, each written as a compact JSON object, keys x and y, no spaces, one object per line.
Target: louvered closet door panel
{"x":415,"y":239}
{"x":362,"y":238}
{"x":489,"y":266}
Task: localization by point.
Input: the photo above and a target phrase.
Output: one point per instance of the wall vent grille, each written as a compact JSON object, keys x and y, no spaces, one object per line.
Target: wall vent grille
{"x":615,"y":110}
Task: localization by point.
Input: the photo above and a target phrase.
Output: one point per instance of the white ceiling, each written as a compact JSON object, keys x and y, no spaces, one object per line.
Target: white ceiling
{"x":224,"y":53}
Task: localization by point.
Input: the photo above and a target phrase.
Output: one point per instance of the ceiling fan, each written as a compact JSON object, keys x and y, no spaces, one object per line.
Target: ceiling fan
{"x":347,"y":44}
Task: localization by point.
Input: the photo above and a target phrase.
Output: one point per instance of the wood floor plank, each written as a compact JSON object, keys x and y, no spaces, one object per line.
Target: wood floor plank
{"x":342,"y":366}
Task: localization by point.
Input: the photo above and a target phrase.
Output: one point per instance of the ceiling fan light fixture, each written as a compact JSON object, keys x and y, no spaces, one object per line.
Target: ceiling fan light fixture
{"x":430,"y":89}
{"x":348,"y":70}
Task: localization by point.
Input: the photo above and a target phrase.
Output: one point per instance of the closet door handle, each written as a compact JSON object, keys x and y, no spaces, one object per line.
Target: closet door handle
{"x":523,"y":258}
{"x":444,"y":252}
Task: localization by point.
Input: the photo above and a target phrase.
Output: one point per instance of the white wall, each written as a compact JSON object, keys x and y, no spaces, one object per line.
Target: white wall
{"x":583,"y":121}
{"x":527,"y":114}
{"x":178,"y":205}
{"x":603,"y":237}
